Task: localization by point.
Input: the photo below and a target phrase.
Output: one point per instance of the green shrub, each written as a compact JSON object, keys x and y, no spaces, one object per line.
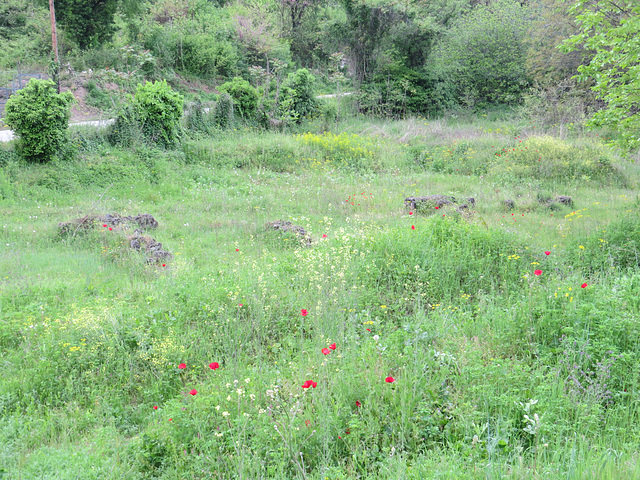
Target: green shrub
{"x":126,"y":130}
{"x":244,"y":95}
{"x":158,"y":110}
{"x":298,"y":99}
{"x":223,"y":111}
{"x":39,"y":116}
{"x":484,"y":54}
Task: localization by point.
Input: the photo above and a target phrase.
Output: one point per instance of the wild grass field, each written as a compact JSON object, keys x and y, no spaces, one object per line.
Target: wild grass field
{"x":388,"y":341}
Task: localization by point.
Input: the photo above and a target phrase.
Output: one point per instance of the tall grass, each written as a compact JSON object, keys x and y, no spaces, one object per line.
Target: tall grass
{"x":452,"y":359}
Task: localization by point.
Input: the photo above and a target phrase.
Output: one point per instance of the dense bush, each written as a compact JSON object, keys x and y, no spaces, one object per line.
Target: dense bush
{"x":398,"y":90}
{"x":298,"y":100}
{"x":158,"y":110}
{"x":39,"y":116}
{"x":244,"y":95}
{"x":484,"y":54}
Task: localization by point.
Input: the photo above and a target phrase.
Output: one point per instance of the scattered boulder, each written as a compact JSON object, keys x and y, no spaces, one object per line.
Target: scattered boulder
{"x":142,"y":221}
{"x":436,"y":201}
{"x":565,"y":200}
{"x":288,"y":227}
{"x":79,"y":225}
{"x":150,"y":246}
{"x":509,"y":204}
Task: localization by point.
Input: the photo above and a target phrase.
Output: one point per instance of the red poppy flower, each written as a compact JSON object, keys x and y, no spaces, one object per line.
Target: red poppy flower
{"x":110,"y":228}
{"x":307,"y":384}
{"x":105,"y":225}
{"x":155,"y":407}
{"x":538,"y":272}
{"x":171,"y":419}
{"x":437,"y":208}
{"x":314,"y":384}
{"x":304,"y":312}
{"x":239,"y":304}
{"x":413,"y":227}
{"x":164,"y":264}
{"x":368,"y":329}
{"x":324,"y":235}
{"x":182,"y":366}
{"x":237,"y":249}
{"x":333,"y":346}
{"x":214,"y":365}
{"x":389,"y":379}
{"x":325,"y":351}
{"x":547,"y":253}
{"x":358,"y":404}
{"x":584,"y":285}
{"x":193,"y":392}
{"x":410,"y":213}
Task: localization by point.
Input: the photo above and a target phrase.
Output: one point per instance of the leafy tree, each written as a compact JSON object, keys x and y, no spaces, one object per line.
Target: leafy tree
{"x":87,"y":22}
{"x":158,"y":110}
{"x":551,"y":24}
{"x":39,"y":115}
{"x":611,"y":28}
{"x":298,"y":98}
{"x":484,"y":54}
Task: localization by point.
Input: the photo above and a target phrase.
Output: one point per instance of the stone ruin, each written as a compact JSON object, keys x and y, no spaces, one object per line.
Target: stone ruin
{"x":152,"y":248}
{"x":439,"y":201}
{"x":137,"y":241}
{"x":143,"y":221}
{"x":287,"y":227}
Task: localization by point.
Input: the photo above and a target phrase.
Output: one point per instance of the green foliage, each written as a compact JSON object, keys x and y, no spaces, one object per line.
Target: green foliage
{"x":614,"y":246}
{"x":298,"y":98}
{"x":398,"y":90}
{"x":484,"y":54}
{"x":608,"y":27}
{"x":465,"y":258}
{"x":223,"y":111}
{"x":23,"y":33}
{"x":352,"y":153}
{"x":39,"y":116}
{"x":552,"y":159}
{"x":157,"y":108}
{"x":244,"y":95}
{"x":205,"y":56}
{"x":88,"y":22}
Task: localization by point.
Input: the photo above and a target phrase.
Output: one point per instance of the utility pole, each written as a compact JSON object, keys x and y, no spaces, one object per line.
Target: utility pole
{"x":54,"y":42}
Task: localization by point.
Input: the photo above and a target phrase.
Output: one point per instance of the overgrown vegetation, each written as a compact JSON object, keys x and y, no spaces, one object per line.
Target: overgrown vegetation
{"x":39,"y":116}
{"x":318,"y":293}
{"x":491,"y":328}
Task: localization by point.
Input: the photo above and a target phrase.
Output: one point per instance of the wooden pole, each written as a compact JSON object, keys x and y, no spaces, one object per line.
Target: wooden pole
{"x":54,"y":43}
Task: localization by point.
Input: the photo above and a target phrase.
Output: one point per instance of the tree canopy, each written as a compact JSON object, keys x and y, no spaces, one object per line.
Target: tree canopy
{"x":612,"y":30}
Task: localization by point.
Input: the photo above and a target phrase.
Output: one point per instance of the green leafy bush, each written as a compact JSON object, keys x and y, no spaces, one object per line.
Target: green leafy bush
{"x":484,"y":54}
{"x":298,"y":100}
{"x":39,"y":116}
{"x":244,"y":95}
{"x":158,"y":110}
{"x":223,"y":111}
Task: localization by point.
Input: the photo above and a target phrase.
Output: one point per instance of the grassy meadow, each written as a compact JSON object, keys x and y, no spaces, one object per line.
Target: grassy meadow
{"x":495,"y":341}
